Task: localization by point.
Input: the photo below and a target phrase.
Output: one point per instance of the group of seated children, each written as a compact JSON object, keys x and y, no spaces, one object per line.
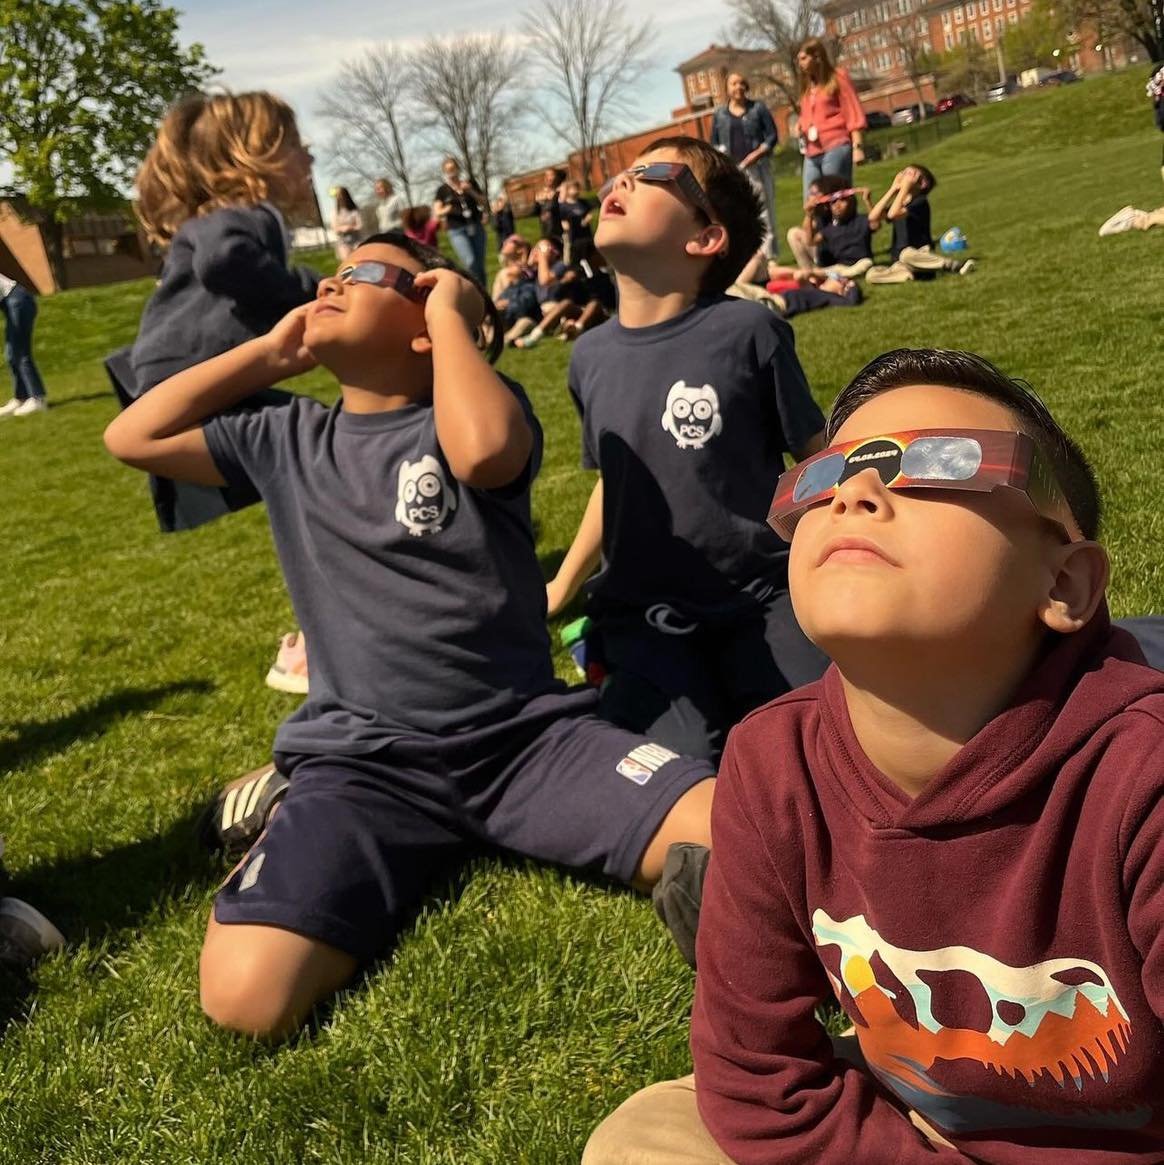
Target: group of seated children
{"x":538,"y":293}
{"x":956,"y":833}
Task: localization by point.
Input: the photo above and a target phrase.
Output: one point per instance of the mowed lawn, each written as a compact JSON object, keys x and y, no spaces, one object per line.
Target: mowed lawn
{"x":525,"y":1003}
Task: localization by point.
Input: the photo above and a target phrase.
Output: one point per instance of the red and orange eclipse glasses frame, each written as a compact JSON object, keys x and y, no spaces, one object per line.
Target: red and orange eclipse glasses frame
{"x":977,"y":460}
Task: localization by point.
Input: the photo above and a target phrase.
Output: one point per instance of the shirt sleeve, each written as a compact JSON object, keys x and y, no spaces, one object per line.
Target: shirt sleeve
{"x":800,"y":415}
{"x":768,"y":1086}
{"x":1144,"y":891}
{"x":589,"y":454}
{"x":768,"y":126}
{"x":851,"y":109}
{"x":246,"y":446}
{"x":231,"y":259}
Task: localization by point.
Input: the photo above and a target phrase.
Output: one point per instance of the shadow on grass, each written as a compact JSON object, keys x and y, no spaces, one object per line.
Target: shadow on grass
{"x":60,"y":402}
{"x":108,"y":897}
{"x":36,"y":739}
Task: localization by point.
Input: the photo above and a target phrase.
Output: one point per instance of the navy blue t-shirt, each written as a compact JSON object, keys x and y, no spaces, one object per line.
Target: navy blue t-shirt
{"x":573,"y":213}
{"x":422,"y":599}
{"x":689,"y":421}
{"x":846,"y":243}
{"x":913,"y":228}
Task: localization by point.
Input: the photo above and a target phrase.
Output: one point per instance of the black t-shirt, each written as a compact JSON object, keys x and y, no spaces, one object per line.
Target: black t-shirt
{"x":422,"y":598}
{"x":549,"y":215}
{"x":737,"y":138}
{"x":573,"y":213}
{"x":465,"y":209}
{"x":913,"y":229}
{"x":845,"y":243}
{"x":688,"y":420}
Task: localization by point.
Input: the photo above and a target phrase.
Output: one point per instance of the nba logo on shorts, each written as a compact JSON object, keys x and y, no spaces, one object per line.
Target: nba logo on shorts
{"x":640,"y":763}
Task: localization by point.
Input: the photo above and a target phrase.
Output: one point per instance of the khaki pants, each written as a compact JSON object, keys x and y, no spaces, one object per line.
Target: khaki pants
{"x":851,"y":270}
{"x":658,"y":1126}
{"x":661,"y":1125}
{"x":910,"y":260}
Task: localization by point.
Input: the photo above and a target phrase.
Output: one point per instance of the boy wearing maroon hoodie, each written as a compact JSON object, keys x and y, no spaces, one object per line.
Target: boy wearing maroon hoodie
{"x":958,"y":832}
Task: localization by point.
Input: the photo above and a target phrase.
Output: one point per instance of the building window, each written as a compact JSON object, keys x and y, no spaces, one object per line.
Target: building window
{"x":999,"y":25}
{"x":702,"y":81}
{"x":947,"y":19}
{"x":987,"y":31}
{"x":1012,"y":17}
{"x":970,"y":10}
{"x":949,"y":41}
{"x":958,"y":17}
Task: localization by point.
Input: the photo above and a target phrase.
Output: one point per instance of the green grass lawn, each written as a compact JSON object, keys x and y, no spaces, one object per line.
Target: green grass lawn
{"x":525,"y":1004}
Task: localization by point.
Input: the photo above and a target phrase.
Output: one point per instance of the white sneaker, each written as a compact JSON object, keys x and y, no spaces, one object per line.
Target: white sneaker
{"x":11,"y":407}
{"x":34,"y":404}
{"x":25,"y":934}
{"x":1127,"y":219}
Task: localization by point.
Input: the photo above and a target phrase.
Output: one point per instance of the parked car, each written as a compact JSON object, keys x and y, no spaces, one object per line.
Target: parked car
{"x":1062,"y":77}
{"x":875,"y":119}
{"x":908,"y":114}
{"x":954,"y":101}
{"x":1002,"y":90}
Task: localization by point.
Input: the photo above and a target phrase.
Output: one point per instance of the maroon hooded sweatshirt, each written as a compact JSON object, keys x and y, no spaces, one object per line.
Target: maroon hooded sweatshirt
{"x":997,"y":941}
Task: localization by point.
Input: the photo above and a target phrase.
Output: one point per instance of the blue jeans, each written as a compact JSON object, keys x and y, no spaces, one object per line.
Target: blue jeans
{"x":760,"y":175}
{"x":20,"y":310}
{"x":838,"y":161}
{"x":469,"y":244}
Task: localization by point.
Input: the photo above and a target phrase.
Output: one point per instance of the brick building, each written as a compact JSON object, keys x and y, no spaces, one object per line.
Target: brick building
{"x":705,"y":75}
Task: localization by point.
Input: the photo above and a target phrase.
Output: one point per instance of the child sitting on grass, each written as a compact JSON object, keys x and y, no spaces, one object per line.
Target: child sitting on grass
{"x":689,"y":402}
{"x":958,"y":832}
{"x":434,"y":725}
{"x":906,"y":204}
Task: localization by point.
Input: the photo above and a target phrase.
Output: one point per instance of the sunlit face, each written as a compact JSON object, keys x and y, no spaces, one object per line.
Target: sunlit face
{"x":360,"y":319}
{"x":451,"y":170}
{"x":383,"y":189}
{"x":737,"y":87}
{"x":804,"y":60}
{"x":842,"y":208}
{"x":879,"y":567}
{"x":646,"y":216}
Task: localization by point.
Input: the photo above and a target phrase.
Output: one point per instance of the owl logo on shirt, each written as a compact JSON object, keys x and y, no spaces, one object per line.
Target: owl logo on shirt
{"x":691,"y":415}
{"x":423,"y":498}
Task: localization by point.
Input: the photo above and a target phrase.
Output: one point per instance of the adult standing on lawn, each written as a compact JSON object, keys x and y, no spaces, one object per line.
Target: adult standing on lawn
{"x":459,"y":204}
{"x":832,"y":122}
{"x":744,"y":129}
{"x":20,"y":317}
{"x":390,"y":207}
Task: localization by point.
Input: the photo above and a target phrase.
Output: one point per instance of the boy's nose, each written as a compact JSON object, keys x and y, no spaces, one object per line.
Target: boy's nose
{"x":863,"y":492}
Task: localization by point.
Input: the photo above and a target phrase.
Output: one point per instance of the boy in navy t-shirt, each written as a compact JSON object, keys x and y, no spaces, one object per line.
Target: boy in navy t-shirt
{"x":689,"y":401}
{"x":906,"y":204}
{"x":434,"y":724}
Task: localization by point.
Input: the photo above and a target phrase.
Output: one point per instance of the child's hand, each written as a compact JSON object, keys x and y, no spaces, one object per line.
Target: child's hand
{"x":450,"y":293}
{"x":285,"y":346}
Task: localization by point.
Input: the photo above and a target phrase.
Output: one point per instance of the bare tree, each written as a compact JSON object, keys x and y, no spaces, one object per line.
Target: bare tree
{"x":471,"y":87}
{"x":781,"y":28}
{"x":589,"y":54}
{"x":365,"y":106}
{"x":910,"y":38}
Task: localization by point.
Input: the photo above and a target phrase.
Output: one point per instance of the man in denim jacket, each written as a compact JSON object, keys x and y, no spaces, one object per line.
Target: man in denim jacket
{"x":744,"y":129}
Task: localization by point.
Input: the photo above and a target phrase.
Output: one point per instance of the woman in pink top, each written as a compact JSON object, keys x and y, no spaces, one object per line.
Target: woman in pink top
{"x":832,"y":121}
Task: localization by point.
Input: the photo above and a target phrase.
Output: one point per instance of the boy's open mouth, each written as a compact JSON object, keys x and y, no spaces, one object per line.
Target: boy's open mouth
{"x":612,"y":206}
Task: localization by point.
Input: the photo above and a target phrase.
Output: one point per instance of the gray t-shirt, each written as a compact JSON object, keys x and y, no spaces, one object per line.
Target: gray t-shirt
{"x":422,"y":599}
{"x":688,"y":420}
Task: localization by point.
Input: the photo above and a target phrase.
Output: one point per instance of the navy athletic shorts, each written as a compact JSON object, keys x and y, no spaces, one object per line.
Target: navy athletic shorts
{"x":358,"y":840}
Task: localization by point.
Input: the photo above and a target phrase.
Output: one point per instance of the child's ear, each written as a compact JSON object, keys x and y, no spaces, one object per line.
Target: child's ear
{"x":1080,"y":574}
{"x":711,"y":241}
{"x":421,"y":344}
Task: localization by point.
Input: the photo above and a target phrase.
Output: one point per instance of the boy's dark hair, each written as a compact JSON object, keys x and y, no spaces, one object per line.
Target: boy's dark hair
{"x":737,"y":205}
{"x":927,"y":177}
{"x":491,"y":336}
{"x":971,"y":373}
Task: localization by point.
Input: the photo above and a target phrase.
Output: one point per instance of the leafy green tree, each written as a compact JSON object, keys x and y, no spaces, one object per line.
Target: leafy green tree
{"x":83,"y":84}
{"x":1033,"y":41}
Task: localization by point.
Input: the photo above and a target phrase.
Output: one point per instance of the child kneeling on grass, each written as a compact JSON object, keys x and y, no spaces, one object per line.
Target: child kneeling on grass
{"x":958,"y":832}
{"x":689,"y":401}
{"x":434,"y":724}
{"x":906,"y":204}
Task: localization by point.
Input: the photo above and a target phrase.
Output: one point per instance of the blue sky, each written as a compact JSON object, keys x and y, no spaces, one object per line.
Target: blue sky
{"x":294,"y":46}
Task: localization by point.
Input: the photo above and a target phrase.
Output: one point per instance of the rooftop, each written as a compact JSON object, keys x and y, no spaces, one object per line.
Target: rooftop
{"x":724,"y":54}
